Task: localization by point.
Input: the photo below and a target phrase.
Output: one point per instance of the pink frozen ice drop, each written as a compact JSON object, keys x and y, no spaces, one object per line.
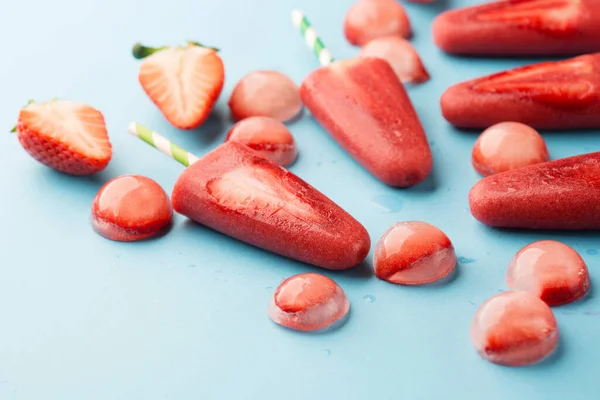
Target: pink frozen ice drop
{"x":266,"y":94}
{"x":129,"y":208}
{"x":401,"y":55}
{"x":514,"y":328}
{"x":365,"y":108}
{"x":551,"y":271}
{"x":267,"y":137}
{"x":371,"y":19}
{"x":308,"y":302}
{"x":236,"y":192}
{"x":413,"y":253}
{"x":506,"y":146}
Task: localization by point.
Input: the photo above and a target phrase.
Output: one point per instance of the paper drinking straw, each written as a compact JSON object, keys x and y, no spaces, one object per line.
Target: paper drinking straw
{"x":313,"y":41}
{"x":162,"y":144}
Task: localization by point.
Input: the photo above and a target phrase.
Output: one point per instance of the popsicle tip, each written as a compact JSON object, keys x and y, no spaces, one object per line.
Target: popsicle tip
{"x":297,"y":17}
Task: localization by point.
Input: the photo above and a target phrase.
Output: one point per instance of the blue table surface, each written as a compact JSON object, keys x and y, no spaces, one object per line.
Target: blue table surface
{"x":184,"y":316}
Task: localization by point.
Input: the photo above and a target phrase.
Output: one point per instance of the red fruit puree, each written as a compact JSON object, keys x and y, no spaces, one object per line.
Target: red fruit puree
{"x":551,"y":271}
{"x":506,"y":146}
{"x":413,"y":253}
{"x":267,"y":137}
{"x":266,"y":94}
{"x":308,"y":302}
{"x":130,"y":208}
{"x":514,"y":328}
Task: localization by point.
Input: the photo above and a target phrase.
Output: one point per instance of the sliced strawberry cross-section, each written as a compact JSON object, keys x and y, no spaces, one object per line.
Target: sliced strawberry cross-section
{"x":241,"y":194}
{"x":184,"y":82}
{"x":520,"y":27}
{"x":254,"y":189}
{"x":64,"y":135}
{"x":548,"y":95}
{"x":551,"y":16}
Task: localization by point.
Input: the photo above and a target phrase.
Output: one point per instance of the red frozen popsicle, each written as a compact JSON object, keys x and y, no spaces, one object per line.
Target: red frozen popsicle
{"x":549,"y":95}
{"x":365,"y":108}
{"x":521,"y":27}
{"x":241,"y":194}
{"x":560,"y":194}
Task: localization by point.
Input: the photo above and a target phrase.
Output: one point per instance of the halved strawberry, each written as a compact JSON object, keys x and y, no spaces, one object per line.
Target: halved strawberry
{"x":184,"y":82}
{"x":521,"y":27}
{"x":66,"y":136}
{"x":548,"y":95}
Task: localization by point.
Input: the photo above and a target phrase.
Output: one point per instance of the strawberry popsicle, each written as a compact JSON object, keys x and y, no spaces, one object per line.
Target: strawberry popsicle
{"x":548,"y":95}
{"x":521,"y":27}
{"x":241,"y":194}
{"x":365,"y":108}
{"x":561,"y":194}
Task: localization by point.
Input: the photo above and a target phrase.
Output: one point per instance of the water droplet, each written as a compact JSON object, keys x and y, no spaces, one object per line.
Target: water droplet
{"x":465,"y":260}
{"x":118,"y":256}
{"x":180,"y":253}
{"x":369,"y":298}
{"x":471,"y":303}
{"x":192,"y":265}
{"x":388,"y":203}
{"x":432,"y":143}
{"x":218,"y":270}
{"x":327,"y":352}
{"x":239,"y":274}
{"x":487,"y":253}
{"x":591,"y":312}
{"x":319,"y":164}
{"x":269,"y":288}
{"x":592,"y":252}
{"x":333,"y":161}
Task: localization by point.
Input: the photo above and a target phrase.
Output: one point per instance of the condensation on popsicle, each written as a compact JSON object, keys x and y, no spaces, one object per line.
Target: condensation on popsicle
{"x":365,"y":108}
{"x":241,"y":194}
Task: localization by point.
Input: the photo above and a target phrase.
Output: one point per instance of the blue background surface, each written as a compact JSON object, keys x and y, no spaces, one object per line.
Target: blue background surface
{"x":184,"y":316}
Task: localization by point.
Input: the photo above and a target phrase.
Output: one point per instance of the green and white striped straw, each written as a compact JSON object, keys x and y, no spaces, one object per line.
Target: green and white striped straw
{"x":162,"y":144}
{"x":311,"y":37}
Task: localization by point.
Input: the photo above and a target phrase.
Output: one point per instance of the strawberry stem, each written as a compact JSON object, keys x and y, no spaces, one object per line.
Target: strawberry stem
{"x":192,"y":43}
{"x":140,"y":51}
{"x":13,"y":130}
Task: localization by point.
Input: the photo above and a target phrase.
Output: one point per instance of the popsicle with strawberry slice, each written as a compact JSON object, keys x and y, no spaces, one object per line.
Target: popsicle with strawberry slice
{"x":549,"y":95}
{"x":67,"y":136}
{"x":521,"y":27}
{"x":184,"y":82}
{"x":239,"y":193}
{"x":560,"y":194}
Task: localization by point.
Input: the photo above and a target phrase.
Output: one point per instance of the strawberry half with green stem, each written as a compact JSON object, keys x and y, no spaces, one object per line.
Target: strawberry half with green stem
{"x":64,"y":135}
{"x":184,"y":82}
